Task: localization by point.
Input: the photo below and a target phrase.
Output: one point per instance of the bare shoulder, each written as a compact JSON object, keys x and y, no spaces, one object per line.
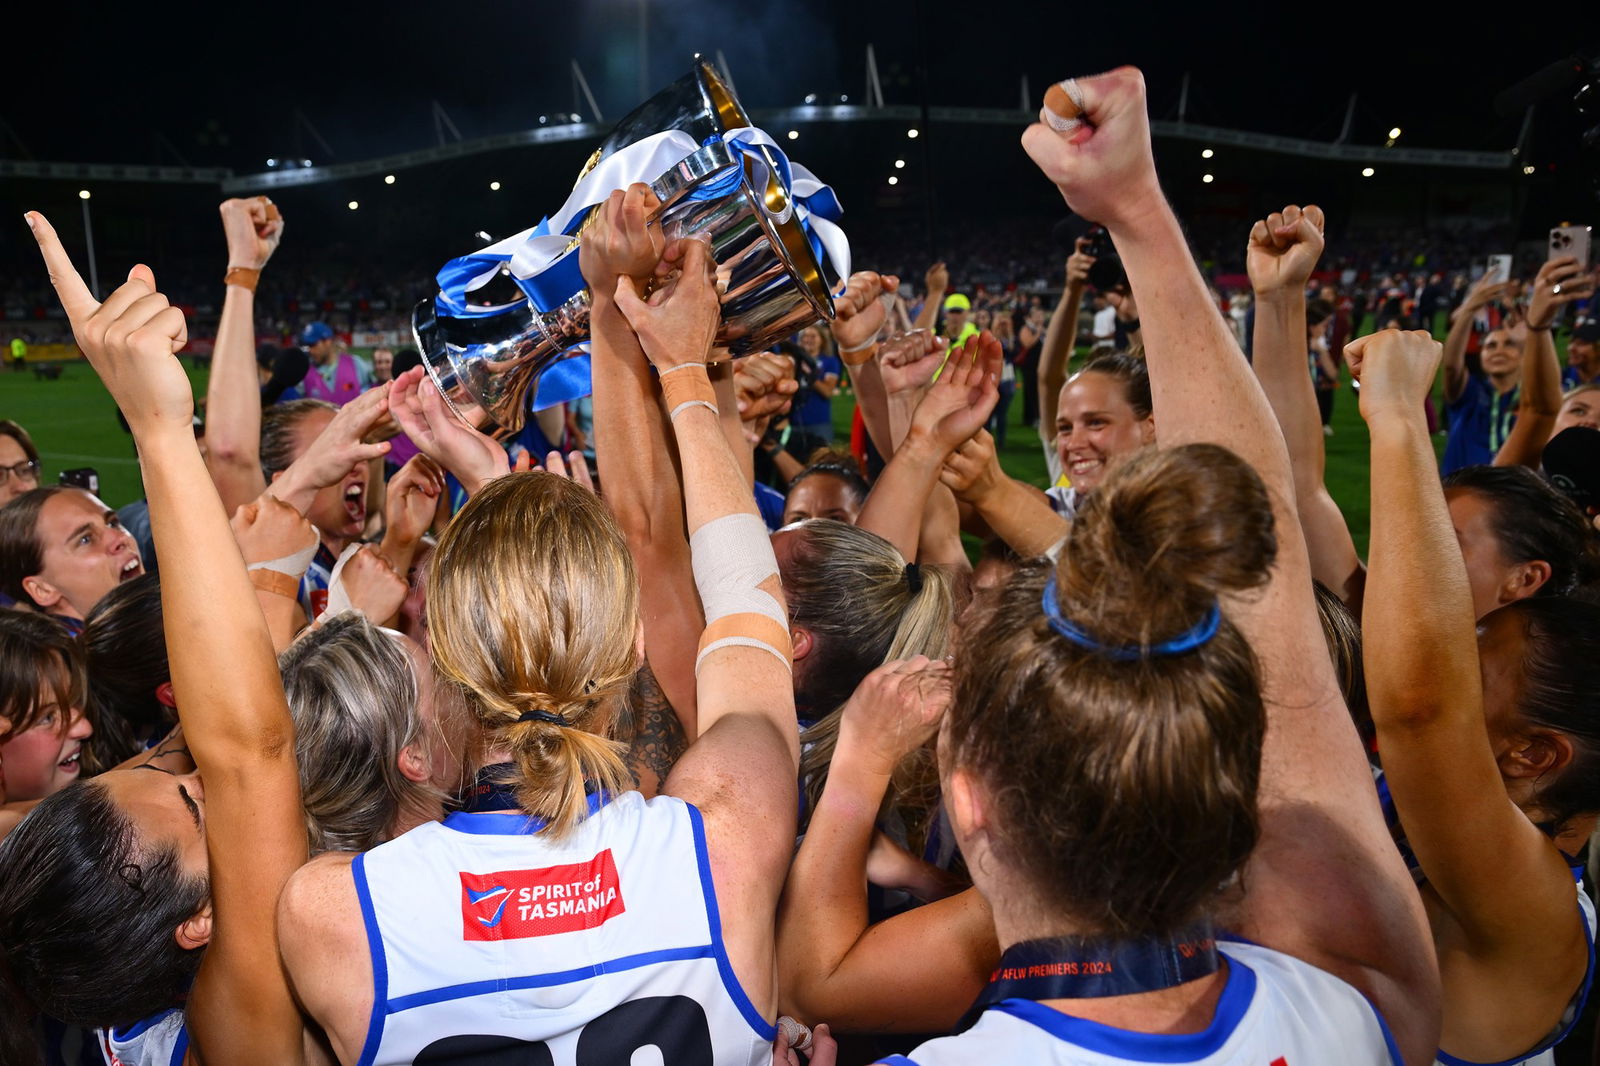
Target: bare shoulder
{"x":323,"y":944}
{"x":318,"y":904}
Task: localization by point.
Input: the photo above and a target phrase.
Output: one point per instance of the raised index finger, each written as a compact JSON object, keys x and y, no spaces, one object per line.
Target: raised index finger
{"x":76,"y":299}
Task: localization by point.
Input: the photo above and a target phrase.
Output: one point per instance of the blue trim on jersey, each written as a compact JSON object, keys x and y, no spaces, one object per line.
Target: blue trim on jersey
{"x":181,"y":1047}
{"x":1562,"y":1033}
{"x":764,"y":1029}
{"x":1388,"y":1037}
{"x":545,"y":980}
{"x":500,"y":824}
{"x":1146,"y":1047}
{"x":142,"y":1025}
{"x":896,"y":1060}
{"x":380,"y":965}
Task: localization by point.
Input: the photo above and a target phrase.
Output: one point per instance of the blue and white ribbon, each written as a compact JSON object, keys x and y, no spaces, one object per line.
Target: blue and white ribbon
{"x":544,"y":265}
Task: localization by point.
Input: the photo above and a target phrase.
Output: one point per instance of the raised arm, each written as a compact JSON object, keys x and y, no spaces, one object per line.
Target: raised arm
{"x":1426,"y":692}
{"x":337,"y":448}
{"x":236,"y":720}
{"x":1559,"y":282}
{"x":635,"y":452}
{"x":1325,"y":882}
{"x":937,"y":280}
{"x":859,"y":318}
{"x":1283,"y":251}
{"x":1018,"y":514}
{"x":957,"y":406}
{"x":741,"y":769}
{"x":277,"y":544}
{"x":1059,"y":338}
{"x":916,"y":972}
{"x":233,"y":395}
{"x":1454,"y":360}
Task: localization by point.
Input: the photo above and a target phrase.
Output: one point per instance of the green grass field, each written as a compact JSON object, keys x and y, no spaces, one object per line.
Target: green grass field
{"x":74,"y":423}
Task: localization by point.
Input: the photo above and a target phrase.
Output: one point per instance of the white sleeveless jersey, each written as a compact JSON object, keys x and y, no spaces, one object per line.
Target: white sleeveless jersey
{"x":158,"y":1041}
{"x":493,"y":944}
{"x":1274,"y":1011}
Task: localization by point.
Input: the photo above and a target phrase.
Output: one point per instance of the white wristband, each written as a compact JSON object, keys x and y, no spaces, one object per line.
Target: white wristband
{"x":294,"y":564}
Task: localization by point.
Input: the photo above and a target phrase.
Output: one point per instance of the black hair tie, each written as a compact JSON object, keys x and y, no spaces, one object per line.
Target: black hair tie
{"x":537,"y":715}
{"x":914,"y":578}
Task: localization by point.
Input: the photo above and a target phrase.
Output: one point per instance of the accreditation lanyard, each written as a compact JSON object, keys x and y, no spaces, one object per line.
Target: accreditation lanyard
{"x":1094,"y":967}
{"x":1500,"y":420}
{"x":490,"y":792}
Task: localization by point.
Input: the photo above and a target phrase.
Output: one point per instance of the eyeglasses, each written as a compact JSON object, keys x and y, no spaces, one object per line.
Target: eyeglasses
{"x":27,"y":469}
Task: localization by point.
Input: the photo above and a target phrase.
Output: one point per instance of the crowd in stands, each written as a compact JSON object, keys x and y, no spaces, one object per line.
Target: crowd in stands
{"x":680,"y":726}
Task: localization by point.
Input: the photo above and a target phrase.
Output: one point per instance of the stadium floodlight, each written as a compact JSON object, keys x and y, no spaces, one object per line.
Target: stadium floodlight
{"x":1367,"y":172}
{"x":899,"y":164}
{"x":1207,"y":154}
{"x":912,"y":133}
{"x":305,"y":162}
{"x":577,"y":118}
{"x":272,"y":162}
{"x":543,"y":119}
{"x":1207,"y":178}
{"x":1527,"y":170}
{"x":83,"y":194}
{"x":843,"y":98}
{"x":353,"y":204}
{"x":388,"y":179}
{"x":794,"y":135}
{"x":1394,"y":133}
{"x":494,"y":186}
{"x":811,"y":98}
{"x":893,"y":180}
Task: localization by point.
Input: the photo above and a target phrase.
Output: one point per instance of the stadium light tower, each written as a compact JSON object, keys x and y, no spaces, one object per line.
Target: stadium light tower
{"x":88,"y":236}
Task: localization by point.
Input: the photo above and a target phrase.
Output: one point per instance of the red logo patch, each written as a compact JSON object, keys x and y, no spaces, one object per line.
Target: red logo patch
{"x":517,"y":904}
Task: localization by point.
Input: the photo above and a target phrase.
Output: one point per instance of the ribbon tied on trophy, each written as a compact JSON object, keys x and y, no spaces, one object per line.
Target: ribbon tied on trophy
{"x":773,"y":227}
{"x":543,"y":260}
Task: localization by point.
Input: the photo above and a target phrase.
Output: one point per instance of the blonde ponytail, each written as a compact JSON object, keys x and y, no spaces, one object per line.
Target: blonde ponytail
{"x":533,"y":610}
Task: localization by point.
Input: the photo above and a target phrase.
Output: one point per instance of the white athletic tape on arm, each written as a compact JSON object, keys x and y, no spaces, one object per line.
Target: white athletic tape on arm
{"x":293,"y":564}
{"x":338,"y":597}
{"x":731,"y":557}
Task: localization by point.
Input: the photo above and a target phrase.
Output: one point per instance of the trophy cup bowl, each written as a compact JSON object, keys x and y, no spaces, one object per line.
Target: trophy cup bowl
{"x":700,"y":104}
{"x":769,"y":281}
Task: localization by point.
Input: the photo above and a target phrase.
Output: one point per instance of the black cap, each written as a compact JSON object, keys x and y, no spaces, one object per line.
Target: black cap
{"x":1572,"y":463}
{"x":1588,"y":331}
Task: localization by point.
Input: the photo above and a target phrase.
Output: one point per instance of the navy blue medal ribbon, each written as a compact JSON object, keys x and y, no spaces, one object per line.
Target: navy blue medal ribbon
{"x":1096,"y":967}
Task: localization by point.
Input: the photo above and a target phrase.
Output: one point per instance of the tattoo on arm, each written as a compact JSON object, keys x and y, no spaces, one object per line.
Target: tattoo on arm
{"x":655,"y":737}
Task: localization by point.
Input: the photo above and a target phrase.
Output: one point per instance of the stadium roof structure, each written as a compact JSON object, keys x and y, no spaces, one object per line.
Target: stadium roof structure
{"x":571,"y":127}
{"x":776,"y":118}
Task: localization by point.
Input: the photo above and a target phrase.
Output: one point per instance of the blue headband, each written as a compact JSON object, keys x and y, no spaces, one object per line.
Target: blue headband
{"x":1188,"y":640}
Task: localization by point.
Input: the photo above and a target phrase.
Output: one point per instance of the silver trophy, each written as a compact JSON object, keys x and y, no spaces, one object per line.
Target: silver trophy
{"x":770,"y":281}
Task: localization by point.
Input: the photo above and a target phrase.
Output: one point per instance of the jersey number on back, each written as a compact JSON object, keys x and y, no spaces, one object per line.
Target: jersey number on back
{"x":676,"y":1025}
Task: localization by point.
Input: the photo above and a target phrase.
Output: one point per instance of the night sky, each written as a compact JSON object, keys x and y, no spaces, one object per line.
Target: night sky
{"x":219,"y":85}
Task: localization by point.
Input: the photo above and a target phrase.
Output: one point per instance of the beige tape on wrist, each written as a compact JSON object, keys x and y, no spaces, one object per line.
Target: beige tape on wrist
{"x":687,"y":386}
{"x":749,"y":630}
{"x":858,"y":356}
{"x":276,"y":583}
{"x":243,"y":277}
